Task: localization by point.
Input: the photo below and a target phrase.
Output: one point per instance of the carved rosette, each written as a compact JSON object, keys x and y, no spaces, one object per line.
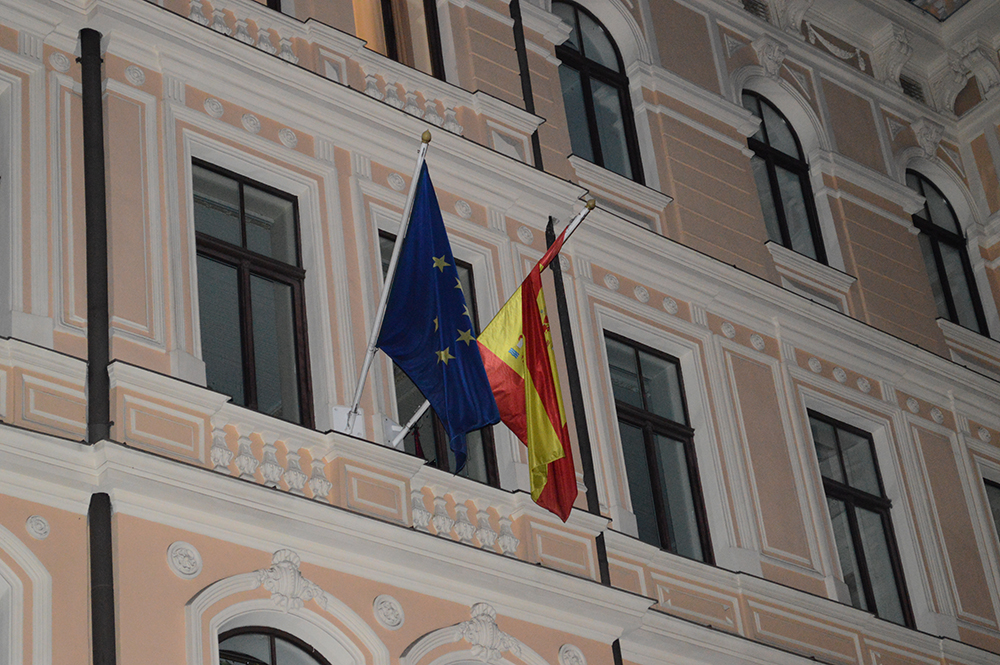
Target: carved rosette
{"x":184,"y":559}
{"x":489,"y":643}
{"x":289,"y":589}
{"x":571,"y":655}
{"x":388,"y":612}
{"x":38,"y":527}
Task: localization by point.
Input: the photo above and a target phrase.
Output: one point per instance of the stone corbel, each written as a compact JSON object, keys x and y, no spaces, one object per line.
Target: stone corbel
{"x":770,"y":55}
{"x":790,"y":14}
{"x":928,"y":135}
{"x":979,"y":62}
{"x":946,"y":89}
{"x":890,"y":55}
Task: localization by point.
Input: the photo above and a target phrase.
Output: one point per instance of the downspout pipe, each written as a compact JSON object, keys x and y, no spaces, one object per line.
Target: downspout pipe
{"x":522,"y":65}
{"x":102,"y":587}
{"x":95,"y":199}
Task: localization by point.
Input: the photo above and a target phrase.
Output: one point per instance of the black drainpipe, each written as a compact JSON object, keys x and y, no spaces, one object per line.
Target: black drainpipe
{"x":102,"y":587}
{"x":98,"y":345}
{"x":522,"y":64}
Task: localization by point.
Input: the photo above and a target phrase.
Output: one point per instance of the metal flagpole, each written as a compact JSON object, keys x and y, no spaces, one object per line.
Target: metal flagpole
{"x":570,"y":228}
{"x":387,"y":286}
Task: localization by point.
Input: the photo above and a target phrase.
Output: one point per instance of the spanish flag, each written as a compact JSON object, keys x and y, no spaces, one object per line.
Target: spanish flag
{"x":521,"y":366}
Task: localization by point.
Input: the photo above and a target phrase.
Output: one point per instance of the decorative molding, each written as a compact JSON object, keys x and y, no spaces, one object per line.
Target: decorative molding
{"x":815,"y":366}
{"x":30,"y":45}
{"x":463,"y":209}
{"x":421,"y":516}
{"x":135,"y":76}
{"x":219,"y":22}
{"x":728,"y":329}
{"x":864,"y":385}
{"x":890,"y":54}
{"x":611,"y":282}
{"x":928,"y":134}
{"x":184,"y":559}
{"x":571,"y":655}
{"x":213,"y":107}
{"x":288,"y":138}
{"x":936,"y":415}
{"x":670,"y":306}
{"x":757,"y":342}
{"x":895,"y":127}
{"x":840,"y":375}
{"x":59,"y":62}
{"x":913,"y":405}
{"x":250,"y":123}
{"x":810,"y":278}
{"x":507,"y":541}
{"x":489,"y":643}
{"x":388,"y":612}
{"x":319,"y":485}
{"x":833,"y":49}
{"x":220,"y":454}
{"x":484,"y":530}
{"x":294,"y":476}
{"x":770,"y":54}
{"x":641,"y":293}
{"x":196,"y":13}
{"x":733,"y":45}
{"x":526,"y":235}
{"x":38,"y":527}
{"x":984,"y":435}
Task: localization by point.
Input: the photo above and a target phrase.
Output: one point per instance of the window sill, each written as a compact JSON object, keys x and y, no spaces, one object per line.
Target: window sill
{"x":626,"y":198}
{"x":977,"y":352}
{"x":810,"y":278}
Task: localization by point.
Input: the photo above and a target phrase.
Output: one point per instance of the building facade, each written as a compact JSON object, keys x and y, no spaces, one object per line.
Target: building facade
{"x":776,"y":332}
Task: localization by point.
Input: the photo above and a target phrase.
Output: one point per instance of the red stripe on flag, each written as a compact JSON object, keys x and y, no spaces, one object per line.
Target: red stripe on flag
{"x":508,"y":390}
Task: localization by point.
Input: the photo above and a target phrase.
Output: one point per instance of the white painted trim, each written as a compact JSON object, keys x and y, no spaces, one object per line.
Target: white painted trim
{"x":41,"y":600}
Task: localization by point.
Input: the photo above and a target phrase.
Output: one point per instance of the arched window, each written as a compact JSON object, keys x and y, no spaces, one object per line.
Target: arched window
{"x":782,"y":177}
{"x":947,"y":261}
{"x":595,"y":93}
{"x":265,"y":646}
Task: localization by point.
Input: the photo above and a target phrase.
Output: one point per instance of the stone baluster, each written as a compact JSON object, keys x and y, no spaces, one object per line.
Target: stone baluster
{"x":421,"y":516}
{"x":270,"y":468}
{"x":294,"y":475}
{"x":318,"y":483}
{"x":507,"y":540}
{"x":220,"y":453}
{"x":246,"y":463}
{"x":441,"y":520}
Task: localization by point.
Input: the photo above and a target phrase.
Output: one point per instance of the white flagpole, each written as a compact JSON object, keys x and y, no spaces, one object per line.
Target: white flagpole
{"x":570,"y":228}
{"x":387,"y":286}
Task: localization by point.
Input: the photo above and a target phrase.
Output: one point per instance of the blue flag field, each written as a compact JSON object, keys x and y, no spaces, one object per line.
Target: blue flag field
{"x":428,"y":329}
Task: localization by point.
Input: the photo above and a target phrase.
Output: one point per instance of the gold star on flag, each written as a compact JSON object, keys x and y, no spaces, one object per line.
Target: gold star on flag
{"x":435,"y":324}
{"x":440,"y":263}
{"x":458,"y":285}
{"x":445,"y":356}
{"x":465,"y":336}
{"x":467,"y":312}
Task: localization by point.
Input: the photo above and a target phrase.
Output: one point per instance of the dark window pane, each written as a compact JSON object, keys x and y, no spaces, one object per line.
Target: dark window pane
{"x":270,"y":225}
{"x":779,"y":134}
{"x":255,"y":646}
{"x":221,"y":348}
{"x":763,"y":182}
{"x":411,"y":31}
{"x":624,"y":373}
{"x":216,"y":205}
{"x":289,"y":654}
{"x":845,"y":551}
{"x":993,"y":495}
{"x":274,"y":348}
{"x":596,"y":44}
{"x":927,"y":249}
{"x":941,"y":214}
{"x":662,"y":387}
{"x":676,"y":483}
{"x":576,"y":114}
{"x":385,"y":246}
{"x":611,"y":128}
{"x":958,"y":283}
{"x":639,"y":485}
{"x":826,"y":449}
{"x":793,"y":201}
{"x":568,"y":14}
{"x":859,"y":463}
{"x":880,"y":571}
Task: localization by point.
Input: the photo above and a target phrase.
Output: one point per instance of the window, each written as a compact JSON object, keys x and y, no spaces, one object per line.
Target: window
{"x":658,"y":446}
{"x":253,"y":324}
{"x":412,"y":35}
{"x":993,"y":496}
{"x":859,"y":514}
{"x":595,"y":93}
{"x":428,"y":438}
{"x":265,"y":646}
{"x":782,"y":177}
{"x":946,"y":258}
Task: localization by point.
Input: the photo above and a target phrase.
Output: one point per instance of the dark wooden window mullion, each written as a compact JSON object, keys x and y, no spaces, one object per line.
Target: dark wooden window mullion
{"x":302,"y":352}
{"x":779,"y":205}
{"x":434,"y":39}
{"x":949,"y":299}
{"x":588,"y":105}
{"x":246,"y":333}
{"x":897,"y":568}
{"x":813,"y":216}
{"x":659,"y":495}
{"x":389,"y":30}
{"x":861,"y":561}
{"x":274,"y":650}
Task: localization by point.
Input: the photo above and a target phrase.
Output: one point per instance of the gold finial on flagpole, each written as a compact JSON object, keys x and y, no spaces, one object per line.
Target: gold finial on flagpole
{"x":426,"y":136}
{"x":591,"y":204}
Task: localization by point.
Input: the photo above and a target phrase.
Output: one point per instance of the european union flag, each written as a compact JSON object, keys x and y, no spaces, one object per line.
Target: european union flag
{"x":428,"y":329}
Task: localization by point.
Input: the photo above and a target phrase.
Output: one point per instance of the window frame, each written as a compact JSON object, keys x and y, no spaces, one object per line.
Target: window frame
{"x":799,"y":166}
{"x":853,"y":498}
{"x":650,"y":424}
{"x":391,"y":34}
{"x":587,"y":69}
{"x":247,"y":262}
{"x":441,"y":442}
{"x":272,"y":634}
{"x":937,"y":235}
